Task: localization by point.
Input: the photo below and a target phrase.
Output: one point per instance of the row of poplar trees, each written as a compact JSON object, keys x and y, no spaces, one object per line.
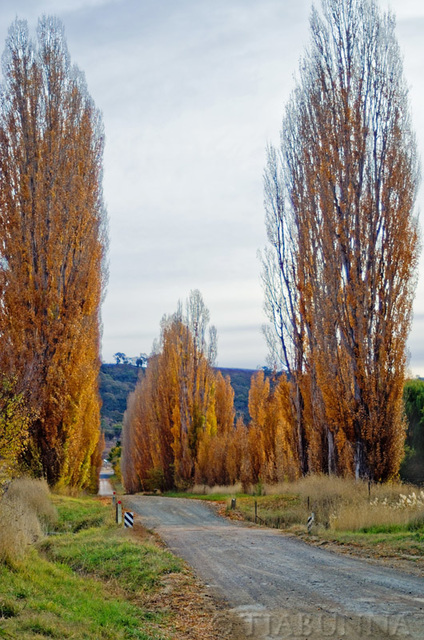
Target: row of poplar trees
{"x":339,"y":278}
{"x":179,"y":426}
{"x":178,"y":406}
{"x":52,"y":257}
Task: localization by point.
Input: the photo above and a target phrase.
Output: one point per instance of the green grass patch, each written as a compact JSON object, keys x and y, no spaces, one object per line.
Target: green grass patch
{"x":108,"y":554}
{"x":403,"y":529}
{"x":383,"y":528}
{"x":102,"y":549}
{"x":42,"y":599}
{"x":85,"y":581}
{"x":278,"y":511}
{"x":79,"y":513}
{"x":383,"y":543}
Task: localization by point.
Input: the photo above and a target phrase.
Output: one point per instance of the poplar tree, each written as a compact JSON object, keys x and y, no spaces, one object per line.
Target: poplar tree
{"x":180,"y":413}
{"x":341,"y":267}
{"x":52,"y":250}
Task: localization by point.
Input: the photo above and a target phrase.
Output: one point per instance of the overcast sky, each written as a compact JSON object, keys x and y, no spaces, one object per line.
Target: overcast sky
{"x":191,"y":92}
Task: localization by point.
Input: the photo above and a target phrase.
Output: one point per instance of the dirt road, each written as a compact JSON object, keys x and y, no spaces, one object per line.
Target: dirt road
{"x":105,"y":488}
{"x":280,"y":587}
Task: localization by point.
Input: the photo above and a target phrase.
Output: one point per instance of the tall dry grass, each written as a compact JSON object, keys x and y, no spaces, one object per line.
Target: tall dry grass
{"x":26,"y":514}
{"x":339,"y":504}
{"x":346,"y":504}
{"x":227,"y":490}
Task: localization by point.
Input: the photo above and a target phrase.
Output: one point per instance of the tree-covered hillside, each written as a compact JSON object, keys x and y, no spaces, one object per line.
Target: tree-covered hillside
{"x":412,"y":468}
{"x":118,"y":380}
{"x":240,"y":381}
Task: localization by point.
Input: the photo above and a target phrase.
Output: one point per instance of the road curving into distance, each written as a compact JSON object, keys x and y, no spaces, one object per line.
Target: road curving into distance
{"x":278,"y":587}
{"x":105,"y":487}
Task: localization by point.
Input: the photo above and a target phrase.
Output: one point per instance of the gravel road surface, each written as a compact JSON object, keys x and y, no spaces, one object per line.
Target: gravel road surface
{"x":105,"y":488}
{"x":278,"y":587}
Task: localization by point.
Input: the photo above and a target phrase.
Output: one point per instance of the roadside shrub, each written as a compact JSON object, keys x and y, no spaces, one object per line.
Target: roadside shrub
{"x":396,"y":506}
{"x":26,"y":514}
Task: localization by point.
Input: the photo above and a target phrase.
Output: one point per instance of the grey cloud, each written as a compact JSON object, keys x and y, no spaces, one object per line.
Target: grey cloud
{"x":191,"y":92}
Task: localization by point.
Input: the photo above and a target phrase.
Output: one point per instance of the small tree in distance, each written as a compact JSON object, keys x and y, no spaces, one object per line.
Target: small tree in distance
{"x":120,"y":358}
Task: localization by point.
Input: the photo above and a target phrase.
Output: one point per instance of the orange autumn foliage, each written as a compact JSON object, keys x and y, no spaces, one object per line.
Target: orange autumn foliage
{"x":173,"y":412}
{"x":272,"y":445}
{"x":340,"y":271}
{"x":214,"y":452}
{"x":52,"y":248}
{"x":179,"y":425}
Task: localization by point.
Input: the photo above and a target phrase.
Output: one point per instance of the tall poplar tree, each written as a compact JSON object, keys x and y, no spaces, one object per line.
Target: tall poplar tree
{"x":52,"y":250}
{"x":340,"y":272}
{"x":176,"y":405}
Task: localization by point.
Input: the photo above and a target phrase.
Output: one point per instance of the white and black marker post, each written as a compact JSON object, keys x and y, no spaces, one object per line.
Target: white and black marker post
{"x":311,"y":521}
{"x":128,"y":519}
{"x":119,"y":512}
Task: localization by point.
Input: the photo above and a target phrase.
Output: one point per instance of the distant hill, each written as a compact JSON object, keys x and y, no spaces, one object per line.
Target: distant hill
{"x":240,"y":381}
{"x":117,"y":381}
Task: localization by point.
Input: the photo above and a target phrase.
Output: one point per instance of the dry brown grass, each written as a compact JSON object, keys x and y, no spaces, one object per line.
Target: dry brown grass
{"x":26,"y":513}
{"x":227,"y":490}
{"x":357,"y":517}
{"x":345,"y":504}
{"x":338,"y":503}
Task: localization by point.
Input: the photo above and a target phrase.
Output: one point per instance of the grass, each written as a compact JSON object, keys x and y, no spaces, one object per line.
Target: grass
{"x":404,"y":547}
{"x":279,"y":511}
{"x":338,"y":504}
{"x":109,"y":555}
{"x":86,"y":582}
{"x":76,"y":514}
{"x":217,"y":493}
{"x":43,"y":599}
{"x":26,"y":513}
